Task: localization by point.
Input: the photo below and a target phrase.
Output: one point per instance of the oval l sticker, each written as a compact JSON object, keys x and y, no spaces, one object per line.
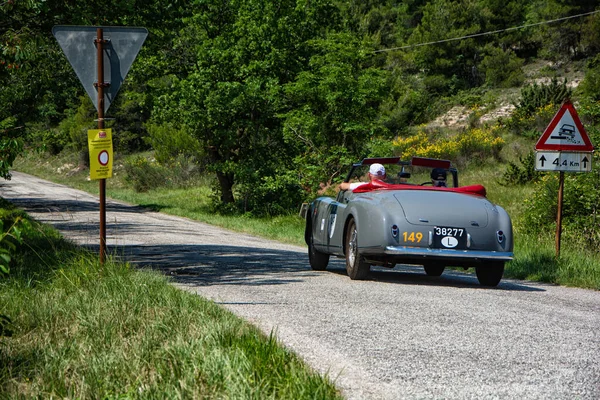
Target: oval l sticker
{"x":449,"y":242}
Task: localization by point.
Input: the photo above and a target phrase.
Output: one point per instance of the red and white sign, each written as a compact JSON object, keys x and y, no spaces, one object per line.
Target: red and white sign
{"x":103,"y":158}
{"x":565,"y":132}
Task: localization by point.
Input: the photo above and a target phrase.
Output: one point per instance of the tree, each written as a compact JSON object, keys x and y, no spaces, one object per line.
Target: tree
{"x":562,"y":40}
{"x":38,"y":87}
{"x":245,"y":51}
{"x":333,"y":109}
{"x":10,"y":148}
{"x":442,"y":20}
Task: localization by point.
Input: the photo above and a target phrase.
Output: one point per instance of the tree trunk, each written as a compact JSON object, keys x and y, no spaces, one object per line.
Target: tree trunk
{"x":225,"y":179}
{"x":226,"y":183}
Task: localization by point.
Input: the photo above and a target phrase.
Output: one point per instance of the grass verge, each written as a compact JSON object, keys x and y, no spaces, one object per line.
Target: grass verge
{"x":84,"y":331}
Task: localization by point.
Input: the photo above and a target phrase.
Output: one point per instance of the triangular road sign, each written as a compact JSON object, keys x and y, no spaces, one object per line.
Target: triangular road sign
{"x":121,"y":49}
{"x":565,"y":132}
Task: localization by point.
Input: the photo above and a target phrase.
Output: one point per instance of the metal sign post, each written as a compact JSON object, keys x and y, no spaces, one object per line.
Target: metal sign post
{"x":100,"y":80}
{"x":561,"y":187}
{"x":100,"y":85}
{"x":565,"y":147}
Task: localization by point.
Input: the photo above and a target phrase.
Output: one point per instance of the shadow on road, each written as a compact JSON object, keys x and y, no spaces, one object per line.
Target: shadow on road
{"x":233,"y":265}
{"x":222,"y":264}
{"x":412,"y":275}
{"x":39,"y":205}
{"x":219,"y":264}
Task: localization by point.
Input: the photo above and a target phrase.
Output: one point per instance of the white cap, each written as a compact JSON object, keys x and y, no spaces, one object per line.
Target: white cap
{"x":377,"y":169}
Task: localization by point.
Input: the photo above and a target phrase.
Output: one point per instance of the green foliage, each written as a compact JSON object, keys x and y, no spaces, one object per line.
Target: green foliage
{"x":230,"y":103}
{"x":407,"y":104}
{"x":334,"y":112}
{"x":9,"y":239}
{"x":502,"y":68}
{"x":470,"y":146}
{"x":581,"y":202}
{"x":536,"y":106}
{"x":562,"y":41}
{"x":10,"y":147}
{"x":590,"y":86}
{"x":521,"y":174}
{"x":170,"y":142}
{"x":274,"y":195}
{"x":52,"y":140}
{"x":146,"y":174}
{"x":534,"y":97}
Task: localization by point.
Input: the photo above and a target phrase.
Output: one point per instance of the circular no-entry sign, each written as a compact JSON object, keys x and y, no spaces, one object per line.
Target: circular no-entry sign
{"x":103,"y":157}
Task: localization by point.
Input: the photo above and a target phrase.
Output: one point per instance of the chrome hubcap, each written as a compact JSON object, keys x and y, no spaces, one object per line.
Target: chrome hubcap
{"x":352,"y":248}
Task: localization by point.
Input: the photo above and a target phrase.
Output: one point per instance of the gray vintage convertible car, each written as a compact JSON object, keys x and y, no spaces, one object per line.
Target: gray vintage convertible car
{"x":395,"y":221}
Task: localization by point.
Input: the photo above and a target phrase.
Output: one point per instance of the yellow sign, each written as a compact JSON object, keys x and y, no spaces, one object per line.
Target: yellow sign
{"x":101,"y":153}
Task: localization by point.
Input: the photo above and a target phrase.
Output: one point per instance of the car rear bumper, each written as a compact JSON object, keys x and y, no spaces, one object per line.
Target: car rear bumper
{"x":472,"y":255}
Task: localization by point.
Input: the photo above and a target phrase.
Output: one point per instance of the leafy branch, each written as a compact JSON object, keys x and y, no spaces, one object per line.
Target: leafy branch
{"x":7,"y":243}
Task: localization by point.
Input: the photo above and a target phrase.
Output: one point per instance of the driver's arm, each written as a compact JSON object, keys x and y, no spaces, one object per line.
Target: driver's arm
{"x":344,"y":185}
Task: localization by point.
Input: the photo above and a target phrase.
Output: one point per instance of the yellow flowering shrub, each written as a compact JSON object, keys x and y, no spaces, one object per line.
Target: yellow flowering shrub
{"x":480,"y":141}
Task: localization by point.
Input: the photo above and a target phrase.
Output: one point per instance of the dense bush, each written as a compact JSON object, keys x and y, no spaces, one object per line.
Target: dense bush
{"x":581,"y":207}
{"x":534,"y":97}
{"x":274,"y":195}
{"x":145,"y":174}
{"x":536,"y":107}
{"x":521,"y":174}
{"x":590,"y":86}
{"x":502,"y":68}
{"x":170,"y":142}
{"x":473,"y":144}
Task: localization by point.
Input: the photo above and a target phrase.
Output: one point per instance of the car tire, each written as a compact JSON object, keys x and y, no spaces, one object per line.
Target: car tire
{"x":356,"y":266}
{"x":434,"y":269}
{"x":318,"y":261}
{"x":490,"y":274}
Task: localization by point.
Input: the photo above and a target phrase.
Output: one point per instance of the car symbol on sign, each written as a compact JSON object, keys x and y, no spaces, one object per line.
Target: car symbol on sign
{"x":567,"y":131}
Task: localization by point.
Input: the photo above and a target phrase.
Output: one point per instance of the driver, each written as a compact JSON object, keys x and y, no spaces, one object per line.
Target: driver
{"x":438,"y":177}
{"x":376,"y":173}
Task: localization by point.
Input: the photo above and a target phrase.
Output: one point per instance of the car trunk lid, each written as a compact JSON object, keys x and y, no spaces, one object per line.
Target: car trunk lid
{"x":438,"y":208}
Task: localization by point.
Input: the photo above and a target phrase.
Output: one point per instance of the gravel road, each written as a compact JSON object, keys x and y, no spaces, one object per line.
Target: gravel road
{"x":399,"y":335}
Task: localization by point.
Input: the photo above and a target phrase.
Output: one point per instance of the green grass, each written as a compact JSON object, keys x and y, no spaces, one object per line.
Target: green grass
{"x":535,"y":260}
{"x":84,"y":331}
{"x":577,"y":265}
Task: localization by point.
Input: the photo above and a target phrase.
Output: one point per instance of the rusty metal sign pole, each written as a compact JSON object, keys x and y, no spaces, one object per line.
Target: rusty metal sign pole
{"x":561,"y":186}
{"x":100,"y":85}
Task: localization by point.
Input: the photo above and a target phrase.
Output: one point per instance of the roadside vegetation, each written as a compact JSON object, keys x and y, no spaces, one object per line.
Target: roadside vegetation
{"x":235,"y":113}
{"x":535,"y":254}
{"x":74,"y":329}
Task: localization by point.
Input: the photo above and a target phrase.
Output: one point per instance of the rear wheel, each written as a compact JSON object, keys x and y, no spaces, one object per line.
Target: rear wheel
{"x":356,"y":266}
{"x":490,"y":274}
{"x":318,"y":261}
{"x":434,"y":269}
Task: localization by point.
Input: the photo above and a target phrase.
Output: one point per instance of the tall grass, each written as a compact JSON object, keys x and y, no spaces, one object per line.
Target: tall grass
{"x":535,"y":260}
{"x":85,"y":331}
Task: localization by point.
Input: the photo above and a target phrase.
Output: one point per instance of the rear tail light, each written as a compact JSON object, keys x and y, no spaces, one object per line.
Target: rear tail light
{"x":500,"y":236}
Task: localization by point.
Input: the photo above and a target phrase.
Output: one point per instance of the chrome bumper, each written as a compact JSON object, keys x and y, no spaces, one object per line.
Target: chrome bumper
{"x":448,"y":253}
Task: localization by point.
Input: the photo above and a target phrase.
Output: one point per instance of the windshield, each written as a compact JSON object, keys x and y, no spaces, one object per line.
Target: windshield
{"x":403,"y":174}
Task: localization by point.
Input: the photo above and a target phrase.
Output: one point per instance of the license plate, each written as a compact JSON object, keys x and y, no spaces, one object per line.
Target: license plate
{"x":447,"y":237}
